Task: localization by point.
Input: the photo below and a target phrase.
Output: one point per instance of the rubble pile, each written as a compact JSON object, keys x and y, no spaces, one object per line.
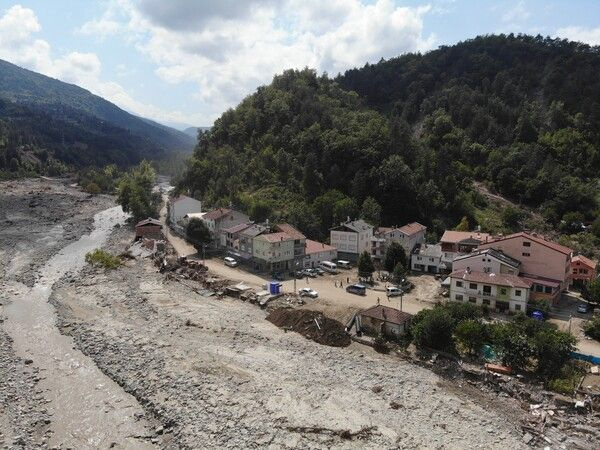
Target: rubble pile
{"x":312,"y":325}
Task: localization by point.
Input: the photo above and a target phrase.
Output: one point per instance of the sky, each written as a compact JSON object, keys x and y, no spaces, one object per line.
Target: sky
{"x":184,"y":62}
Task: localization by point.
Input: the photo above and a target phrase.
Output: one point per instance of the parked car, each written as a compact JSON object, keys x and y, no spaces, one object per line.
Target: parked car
{"x":319,"y":271}
{"x":310,"y":273}
{"x":393,"y":291}
{"x":358,"y":289}
{"x":406,"y":286}
{"x":300,"y":274}
{"x":583,"y":308}
{"x":308,"y":292}
{"x":229,"y":261}
{"x":343,"y":264}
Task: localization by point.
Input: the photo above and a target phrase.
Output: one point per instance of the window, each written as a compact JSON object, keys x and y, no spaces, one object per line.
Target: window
{"x":473,"y":286}
{"x":525,"y":254}
{"x":458,"y":297}
{"x":487,"y":290}
{"x":517,"y":307}
{"x":502,"y":291}
{"x":548,"y":290}
{"x":517,"y":292}
{"x":539,"y":288}
{"x":486,"y":301}
{"x":472,"y":300}
{"x":459,"y":284}
{"x":526,"y":244}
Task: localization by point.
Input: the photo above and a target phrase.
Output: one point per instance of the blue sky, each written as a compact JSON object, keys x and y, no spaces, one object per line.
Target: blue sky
{"x":186,"y":61}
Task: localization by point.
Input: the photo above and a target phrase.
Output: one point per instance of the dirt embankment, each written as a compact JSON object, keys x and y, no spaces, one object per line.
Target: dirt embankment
{"x":312,"y":325}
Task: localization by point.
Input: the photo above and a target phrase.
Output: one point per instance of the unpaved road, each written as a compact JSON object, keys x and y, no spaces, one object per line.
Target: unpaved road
{"x":71,"y":403}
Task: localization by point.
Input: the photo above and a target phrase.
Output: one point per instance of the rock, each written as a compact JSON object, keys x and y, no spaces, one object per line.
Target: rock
{"x":28,"y":361}
{"x":527,"y":438}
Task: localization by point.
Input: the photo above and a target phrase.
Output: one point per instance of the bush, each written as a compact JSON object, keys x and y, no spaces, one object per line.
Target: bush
{"x":471,"y":335}
{"x":92,"y":188}
{"x":463,"y":311}
{"x":567,"y":380}
{"x":380,"y":344}
{"x":553,"y":349}
{"x":102,"y":258}
{"x":592,"y":328}
{"x":434,"y":329}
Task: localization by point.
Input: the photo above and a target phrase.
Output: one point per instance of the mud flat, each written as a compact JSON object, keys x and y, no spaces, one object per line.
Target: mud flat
{"x":215,"y":373}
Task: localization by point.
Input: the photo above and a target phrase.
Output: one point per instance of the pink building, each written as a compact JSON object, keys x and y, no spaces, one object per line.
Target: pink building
{"x":583,"y":269}
{"x":546,"y":264}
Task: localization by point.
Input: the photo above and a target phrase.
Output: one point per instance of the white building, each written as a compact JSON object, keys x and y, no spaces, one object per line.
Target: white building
{"x":317,"y":252}
{"x":487,"y":261}
{"x":427,"y":258}
{"x":222,"y":218}
{"x":181,"y":206}
{"x":409,"y":236}
{"x":502,"y":292}
{"x":351,"y":238}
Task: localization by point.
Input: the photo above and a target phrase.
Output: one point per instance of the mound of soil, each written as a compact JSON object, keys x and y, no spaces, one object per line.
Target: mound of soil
{"x":327,"y":332}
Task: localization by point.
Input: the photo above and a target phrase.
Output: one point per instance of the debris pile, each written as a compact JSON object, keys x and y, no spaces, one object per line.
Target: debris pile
{"x":312,"y":325}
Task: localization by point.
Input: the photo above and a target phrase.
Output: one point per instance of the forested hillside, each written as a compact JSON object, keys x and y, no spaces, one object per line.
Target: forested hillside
{"x":409,"y":136}
{"x":44,"y":120}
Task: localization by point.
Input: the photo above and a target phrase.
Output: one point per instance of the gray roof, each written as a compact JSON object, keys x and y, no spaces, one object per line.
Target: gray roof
{"x":495,"y":254}
{"x":429,"y":250}
{"x":354,"y":225}
{"x":253,"y":231}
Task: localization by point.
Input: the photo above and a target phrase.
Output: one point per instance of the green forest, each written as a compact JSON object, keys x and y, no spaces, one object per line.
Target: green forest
{"x":405,"y":139}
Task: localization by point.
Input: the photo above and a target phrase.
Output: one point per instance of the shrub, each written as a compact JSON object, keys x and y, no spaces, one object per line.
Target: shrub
{"x":567,"y":380}
{"x":471,"y":335}
{"x":463,"y":311}
{"x":592,"y":328}
{"x":553,"y":349}
{"x":102,"y":258}
{"x":380,"y":344}
{"x":92,"y":188}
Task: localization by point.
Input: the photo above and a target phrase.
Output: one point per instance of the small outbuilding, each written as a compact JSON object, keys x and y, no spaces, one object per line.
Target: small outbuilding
{"x":390,"y":322}
{"x":149,"y":228}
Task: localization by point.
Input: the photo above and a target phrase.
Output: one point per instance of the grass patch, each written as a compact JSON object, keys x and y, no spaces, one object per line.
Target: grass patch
{"x":102,"y":258}
{"x":568,"y":379}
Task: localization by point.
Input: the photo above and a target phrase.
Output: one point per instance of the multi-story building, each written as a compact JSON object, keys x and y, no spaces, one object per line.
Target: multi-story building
{"x":220,"y":219}
{"x":583,"y":270}
{"x":501,"y":292}
{"x":546,"y":264}
{"x":317,"y":252}
{"x":351,"y":238}
{"x":273,"y":252}
{"x":181,"y":206}
{"x":409,"y":236}
{"x":246,"y":239}
{"x":230,"y":238}
{"x":427,"y":258}
{"x":456,"y":243}
{"x":299,"y":239}
{"x":488,"y":260}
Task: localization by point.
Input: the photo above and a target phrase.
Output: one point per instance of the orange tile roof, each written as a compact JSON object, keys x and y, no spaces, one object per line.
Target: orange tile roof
{"x":289,"y":229}
{"x":491,"y":278}
{"x":276,"y":237}
{"x":412,"y":228}
{"x":216,"y":214}
{"x":539,"y":239}
{"x":454,"y":237}
{"x":387,"y":314}
{"x":316,"y":247}
{"x":587,"y":261}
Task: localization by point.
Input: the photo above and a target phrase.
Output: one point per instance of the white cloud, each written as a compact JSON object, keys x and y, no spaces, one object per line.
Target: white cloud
{"x":517,"y":14}
{"x":18,"y":44}
{"x":589,"y":36}
{"x":229,"y":48}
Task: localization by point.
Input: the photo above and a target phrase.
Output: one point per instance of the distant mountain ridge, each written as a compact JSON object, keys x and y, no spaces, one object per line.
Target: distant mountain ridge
{"x":91,"y":130}
{"x":193,"y":131}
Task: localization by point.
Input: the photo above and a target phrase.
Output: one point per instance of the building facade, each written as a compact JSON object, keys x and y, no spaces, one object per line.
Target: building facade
{"x":273,"y":252}
{"x":409,"y":236}
{"x":220,"y":219}
{"x":457,"y":243}
{"x":351,"y":238}
{"x":487,"y":261}
{"x":500,"y":292}
{"x":583,"y":270}
{"x":427,"y":258}
{"x":380,"y":319}
{"x":317,"y":252}
{"x":181,"y":206}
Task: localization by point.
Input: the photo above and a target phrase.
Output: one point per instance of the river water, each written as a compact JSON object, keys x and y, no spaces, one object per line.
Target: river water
{"x":88,"y":409}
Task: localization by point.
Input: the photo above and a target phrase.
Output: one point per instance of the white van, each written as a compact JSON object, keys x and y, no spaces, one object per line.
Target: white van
{"x":328,"y":266}
{"x":343,"y":264}
{"x":229,"y":261}
{"x":393,"y":291}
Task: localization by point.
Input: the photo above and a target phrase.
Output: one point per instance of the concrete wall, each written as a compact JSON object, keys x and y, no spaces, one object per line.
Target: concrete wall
{"x":186,"y":205}
{"x":272,"y":251}
{"x":496,"y":294}
{"x":483,"y":263}
{"x":314,"y":259}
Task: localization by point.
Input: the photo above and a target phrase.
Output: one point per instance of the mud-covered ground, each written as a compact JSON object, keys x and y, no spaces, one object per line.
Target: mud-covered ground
{"x":217,"y":374}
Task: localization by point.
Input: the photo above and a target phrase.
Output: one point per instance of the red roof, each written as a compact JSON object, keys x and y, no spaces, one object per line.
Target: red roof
{"x":316,"y":247}
{"x":499,"y":279}
{"x":585,"y":261}
{"x":387,"y":314}
{"x":216,"y":214}
{"x":412,"y":228}
{"x":148,"y":221}
{"x":276,"y":237}
{"x":237,"y":228}
{"x":289,"y":229}
{"x":538,"y":239}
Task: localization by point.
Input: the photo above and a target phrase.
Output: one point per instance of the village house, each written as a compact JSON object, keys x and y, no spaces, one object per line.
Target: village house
{"x":148,"y":228}
{"x":583,"y":270}
{"x":230,"y":238}
{"x":299,"y":238}
{"x":408,"y":236}
{"x":246,"y":239}
{"x":427,"y":258}
{"x":456,"y":243}
{"x":500,"y":292}
{"x":220,"y":219}
{"x":181,"y":206}
{"x":546,"y":264}
{"x":487,"y":260}
{"x":351,"y":238}
{"x":273,"y":252}
{"x":380,"y":319}
{"x":317,"y":252}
